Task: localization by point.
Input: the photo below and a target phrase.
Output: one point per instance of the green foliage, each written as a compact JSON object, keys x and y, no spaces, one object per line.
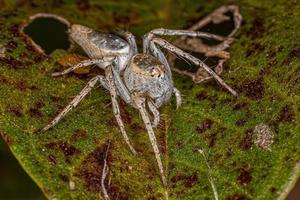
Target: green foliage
{"x":264,"y":69}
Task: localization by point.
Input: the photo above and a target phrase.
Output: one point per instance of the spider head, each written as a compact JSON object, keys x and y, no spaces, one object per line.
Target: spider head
{"x":147,"y":77}
{"x":148,"y":66}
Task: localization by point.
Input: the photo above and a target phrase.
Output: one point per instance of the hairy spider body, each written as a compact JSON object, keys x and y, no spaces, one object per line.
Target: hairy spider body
{"x":142,"y":80}
{"x":146,"y":76}
{"x":97,"y":44}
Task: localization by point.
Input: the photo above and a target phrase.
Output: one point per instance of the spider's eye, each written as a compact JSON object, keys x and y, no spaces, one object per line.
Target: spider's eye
{"x":156,"y":71}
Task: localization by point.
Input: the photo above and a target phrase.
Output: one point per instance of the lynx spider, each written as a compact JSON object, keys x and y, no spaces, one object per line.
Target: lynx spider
{"x":142,"y":80}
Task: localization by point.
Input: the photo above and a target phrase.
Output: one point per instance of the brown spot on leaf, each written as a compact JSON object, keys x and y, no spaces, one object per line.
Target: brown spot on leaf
{"x":203,"y":95}
{"x":238,"y":197}
{"x":295,"y":53}
{"x":273,"y":190}
{"x":264,"y":71}
{"x":55,"y":98}
{"x":125,"y":114}
{"x":241,"y":122}
{"x":64,"y":178}
{"x":188,"y":181}
{"x":16,"y":110}
{"x":52,"y":159}
{"x":246,"y":142}
{"x":11,"y":45}
{"x":254,"y":48}
{"x":3,"y":79}
{"x":90,"y":169}
{"x":239,"y":106}
{"x":67,"y":149}
{"x":78,"y":133}
{"x":286,"y":114}
{"x":14,"y":29}
{"x":112,"y":122}
{"x":136,"y":127}
{"x":205,"y":125}
{"x":254,"y":89}
{"x":151,"y":194}
{"x":13,"y":62}
{"x":35,"y":111}
{"x":244,"y":176}
{"x":257,"y":29}
{"x":115,"y":193}
{"x":191,"y":180}
{"x":83,"y":5}
{"x":162,"y":129}
{"x":23,"y":85}
{"x":212,"y":138}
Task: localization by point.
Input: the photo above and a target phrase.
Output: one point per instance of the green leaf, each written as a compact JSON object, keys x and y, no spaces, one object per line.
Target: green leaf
{"x":263,"y":68}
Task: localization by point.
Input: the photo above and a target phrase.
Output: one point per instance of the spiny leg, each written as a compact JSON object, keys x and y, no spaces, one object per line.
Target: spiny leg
{"x":79,"y":65}
{"x":116,"y":109}
{"x":163,"y":43}
{"x":209,"y":51}
{"x":178,"y":97}
{"x":197,"y":46}
{"x":129,"y":38}
{"x":140,"y":102}
{"x":216,"y":17}
{"x":156,"y":52}
{"x":121,"y":88}
{"x":155,"y":113}
{"x":75,"y":101}
{"x":178,"y":32}
{"x":172,"y":32}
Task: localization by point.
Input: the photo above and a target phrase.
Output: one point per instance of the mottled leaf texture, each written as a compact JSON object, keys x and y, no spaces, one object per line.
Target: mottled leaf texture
{"x":251,"y":142}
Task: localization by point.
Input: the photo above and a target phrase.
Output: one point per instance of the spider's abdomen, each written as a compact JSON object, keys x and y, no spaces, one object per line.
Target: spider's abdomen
{"x":146,"y":75}
{"x":97,"y":44}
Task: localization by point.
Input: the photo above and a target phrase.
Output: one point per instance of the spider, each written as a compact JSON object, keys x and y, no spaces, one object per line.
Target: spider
{"x":142,"y":80}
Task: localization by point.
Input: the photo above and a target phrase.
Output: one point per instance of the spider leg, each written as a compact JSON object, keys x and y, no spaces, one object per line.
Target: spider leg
{"x":140,"y":102}
{"x":115,"y":105}
{"x":195,"y":45}
{"x":129,"y":38}
{"x":156,"y":52}
{"x":155,"y":113}
{"x":79,"y":65}
{"x":121,"y":88}
{"x":176,"y":32}
{"x":178,"y":97}
{"x":163,"y":43}
{"x":75,"y":101}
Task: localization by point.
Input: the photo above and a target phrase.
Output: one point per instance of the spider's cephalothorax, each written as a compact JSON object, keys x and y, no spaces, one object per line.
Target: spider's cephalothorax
{"x":146,"y":76}
{"x":142,"y":80}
